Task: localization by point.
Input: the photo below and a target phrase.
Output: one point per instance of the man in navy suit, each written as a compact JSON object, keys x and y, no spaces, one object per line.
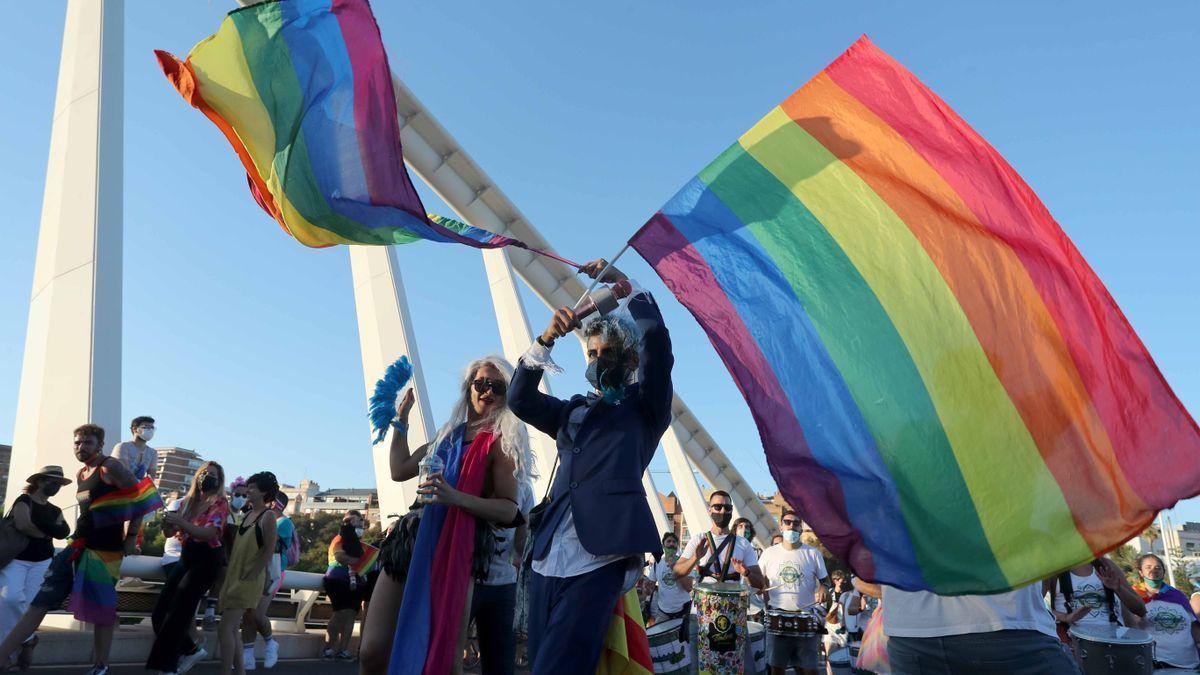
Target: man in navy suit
{"x":589,"y":547}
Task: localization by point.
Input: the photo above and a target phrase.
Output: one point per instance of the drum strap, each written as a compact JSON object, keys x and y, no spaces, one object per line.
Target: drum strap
{"x":1068,"y":590}
{"x":713,"y":567}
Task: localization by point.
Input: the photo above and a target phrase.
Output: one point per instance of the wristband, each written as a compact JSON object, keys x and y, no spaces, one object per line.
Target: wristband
{"x":400,"y":426}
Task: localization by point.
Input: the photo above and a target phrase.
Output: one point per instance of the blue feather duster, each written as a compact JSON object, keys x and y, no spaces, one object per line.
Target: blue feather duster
{"x":382,"y":407}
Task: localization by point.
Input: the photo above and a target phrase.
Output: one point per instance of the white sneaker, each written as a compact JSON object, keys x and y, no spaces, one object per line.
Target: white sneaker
{"x":248,"y":657}
{"x":188,"y":660}
{"x":270,"y":653}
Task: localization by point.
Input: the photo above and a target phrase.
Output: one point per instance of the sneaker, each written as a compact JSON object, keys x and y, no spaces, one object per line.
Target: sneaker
{"x":327,"y":654}
{"x":248,"y":657}
{"x":270,"y":653}
{"x":344,"y":656}
{"x":188,"y":660}
{"x":99,"y":670}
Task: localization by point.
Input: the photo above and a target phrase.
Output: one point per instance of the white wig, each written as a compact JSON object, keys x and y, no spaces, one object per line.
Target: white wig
{"x":514,"y":439}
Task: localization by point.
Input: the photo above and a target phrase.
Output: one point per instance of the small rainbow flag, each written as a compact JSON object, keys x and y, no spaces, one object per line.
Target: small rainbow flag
{"x":125,"y":505}
{"x":303,"y":92}
{"x":366,"y":562}
{"x":943,"y":387}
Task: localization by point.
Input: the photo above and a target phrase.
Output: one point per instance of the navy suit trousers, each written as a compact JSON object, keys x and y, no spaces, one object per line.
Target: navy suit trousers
{"x":569,"y":617}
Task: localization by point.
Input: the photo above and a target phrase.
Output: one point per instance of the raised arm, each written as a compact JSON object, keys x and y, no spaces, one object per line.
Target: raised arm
{"x":527,"y":402}
{"x":655,"y":360}
{"x":403,"y":463}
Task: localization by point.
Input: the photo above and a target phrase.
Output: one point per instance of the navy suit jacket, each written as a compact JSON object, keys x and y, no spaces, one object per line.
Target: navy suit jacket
{"x":601,"y":466}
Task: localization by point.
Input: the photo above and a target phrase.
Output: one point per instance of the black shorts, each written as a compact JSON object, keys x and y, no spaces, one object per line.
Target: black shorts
{"x":341,"y":596}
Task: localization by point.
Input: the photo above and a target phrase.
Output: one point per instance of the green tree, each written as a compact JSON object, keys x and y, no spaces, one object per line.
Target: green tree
{"x":1182,"y":582}
{"x":315,"y":532}
{"x":152,"y":537}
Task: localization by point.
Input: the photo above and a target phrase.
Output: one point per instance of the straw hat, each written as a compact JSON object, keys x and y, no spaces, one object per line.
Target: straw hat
{"x":51,"y":472}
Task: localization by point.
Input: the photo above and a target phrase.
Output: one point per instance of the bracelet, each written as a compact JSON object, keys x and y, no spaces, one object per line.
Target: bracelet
{"x":400,"y":425}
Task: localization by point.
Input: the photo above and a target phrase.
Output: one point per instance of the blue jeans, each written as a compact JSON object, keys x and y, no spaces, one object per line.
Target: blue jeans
{"x":493,"y":607}
{"x":1002,"y":652}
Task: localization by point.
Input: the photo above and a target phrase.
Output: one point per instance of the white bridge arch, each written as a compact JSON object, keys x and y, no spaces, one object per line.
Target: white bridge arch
{"x":69,"y":375}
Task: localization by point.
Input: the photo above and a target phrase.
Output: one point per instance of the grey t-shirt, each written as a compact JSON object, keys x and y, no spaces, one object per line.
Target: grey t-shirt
{"x":140,"y":461}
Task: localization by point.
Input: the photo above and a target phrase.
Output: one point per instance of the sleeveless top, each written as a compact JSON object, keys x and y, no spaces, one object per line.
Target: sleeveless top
{"x":109,"y":538}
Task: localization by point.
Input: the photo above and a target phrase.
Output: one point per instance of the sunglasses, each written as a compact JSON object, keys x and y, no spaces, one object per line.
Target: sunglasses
{"x":791,"y":521}
{"x":483,"y":384}
{"x":721,"y":507}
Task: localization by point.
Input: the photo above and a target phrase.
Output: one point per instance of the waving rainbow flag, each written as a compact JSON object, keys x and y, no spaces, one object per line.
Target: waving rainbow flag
{"x":943,"y":387}
{"x":124,"y":505}
{"x":303,"y":92}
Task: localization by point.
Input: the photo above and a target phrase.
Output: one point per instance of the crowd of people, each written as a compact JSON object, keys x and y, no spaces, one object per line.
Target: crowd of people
{"x":479,"y":547}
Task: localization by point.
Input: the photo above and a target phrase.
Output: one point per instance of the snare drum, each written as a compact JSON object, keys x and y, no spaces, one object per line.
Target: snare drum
{"x":792,"y":624}
{"x":721,"y":629}
{"x":667,"y":653}
{"x":1113,"y":649}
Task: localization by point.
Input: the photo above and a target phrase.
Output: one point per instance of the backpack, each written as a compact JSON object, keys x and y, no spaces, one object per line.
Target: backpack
{"x":290,"y":549}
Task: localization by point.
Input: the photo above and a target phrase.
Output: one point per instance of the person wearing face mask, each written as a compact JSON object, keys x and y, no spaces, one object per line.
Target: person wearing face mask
{"x":246,"y":572}
{"x":136,"y":454}
{"x":796,"y":577}
{"x":743,"y":561}
{"x":1169,"y":617}
{"x":589,"y":546}
{"x":673,"y":598}
{"x":34,"y":516}
{"x":112,"y":504}
{"x":257,"y":622}
{"x":197,"y":524}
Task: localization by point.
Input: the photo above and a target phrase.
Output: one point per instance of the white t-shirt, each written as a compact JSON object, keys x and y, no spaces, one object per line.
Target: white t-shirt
{"x":792,"y":575}
{"x":140,"y":461}
{"x":742,"y":550}
{"x":501,"y":571}
{"x":1171,"y":626}
{"x":1087,"y":590}
{"x":670,"y":597}
{"x":173,"y":546}
{"x":923,"y":614}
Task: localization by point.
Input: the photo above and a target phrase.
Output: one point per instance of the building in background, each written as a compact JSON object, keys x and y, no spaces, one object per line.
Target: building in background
{"x":5,"y":457}
{"x":674,"y":511}
{"x":299,"y":495}
{"x":340,"y":500}
{"x":176,"y":469}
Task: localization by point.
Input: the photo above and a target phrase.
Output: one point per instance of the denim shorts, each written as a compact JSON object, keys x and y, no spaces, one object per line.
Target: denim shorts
{"x":60,"y":577}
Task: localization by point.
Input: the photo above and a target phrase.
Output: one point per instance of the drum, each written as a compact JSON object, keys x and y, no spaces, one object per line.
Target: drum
{"x":838,"y":662}
{"x":792,"y":624}
{"x":1113,"y":649}
{"x":667,"y":653}
{"x":721,"y":626}
{"x":756,"y":649}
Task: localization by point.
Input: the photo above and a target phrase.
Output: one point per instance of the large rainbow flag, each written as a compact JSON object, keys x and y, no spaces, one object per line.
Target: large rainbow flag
{"x":303,"y":92}
{"x":943,"y":387}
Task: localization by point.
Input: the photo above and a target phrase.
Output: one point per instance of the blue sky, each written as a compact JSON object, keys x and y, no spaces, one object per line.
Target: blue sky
{"x":243,"y":343}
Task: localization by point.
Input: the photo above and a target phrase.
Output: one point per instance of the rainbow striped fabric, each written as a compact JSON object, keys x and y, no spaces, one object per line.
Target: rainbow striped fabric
{"x":124,"y":505}
{"x":302,"y":91}
{"x":94,"y":587}
{"x":943,"y":387}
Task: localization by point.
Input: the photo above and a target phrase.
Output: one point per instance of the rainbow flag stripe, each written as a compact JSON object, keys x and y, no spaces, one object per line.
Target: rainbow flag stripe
{"x":303,"y":92}
{"x":94,"y":587}
{"x":124,"y":505}
{"x":366,"y":562}
{"x":943,"y":387}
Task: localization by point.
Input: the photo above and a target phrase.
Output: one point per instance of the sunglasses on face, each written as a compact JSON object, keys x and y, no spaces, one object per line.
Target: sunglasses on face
{"x":790,"y":521}
{"x":483,"y":384}
{"x":721,"y":507}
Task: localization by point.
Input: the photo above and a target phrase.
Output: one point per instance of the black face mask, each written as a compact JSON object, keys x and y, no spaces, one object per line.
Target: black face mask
{"x":51,"y":489}
{"x":208,"y":483}
{"x":606,"y":376}
{"x":721,"y":518}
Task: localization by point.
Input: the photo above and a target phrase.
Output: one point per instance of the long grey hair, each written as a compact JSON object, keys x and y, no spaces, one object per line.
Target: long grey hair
{"x":514,"y":439}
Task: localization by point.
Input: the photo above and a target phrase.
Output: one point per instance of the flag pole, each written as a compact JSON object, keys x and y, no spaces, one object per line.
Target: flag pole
{"x":600,"y":276}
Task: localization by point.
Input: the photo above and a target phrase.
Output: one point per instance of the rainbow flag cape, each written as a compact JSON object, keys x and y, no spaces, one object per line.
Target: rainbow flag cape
{"x":435,"y":591}
{"x":626,"y":647}
{"x":943,"y":387}
{"x":125,"y":505}
{"x":303,"y":92}
{"x":94,"y":587}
